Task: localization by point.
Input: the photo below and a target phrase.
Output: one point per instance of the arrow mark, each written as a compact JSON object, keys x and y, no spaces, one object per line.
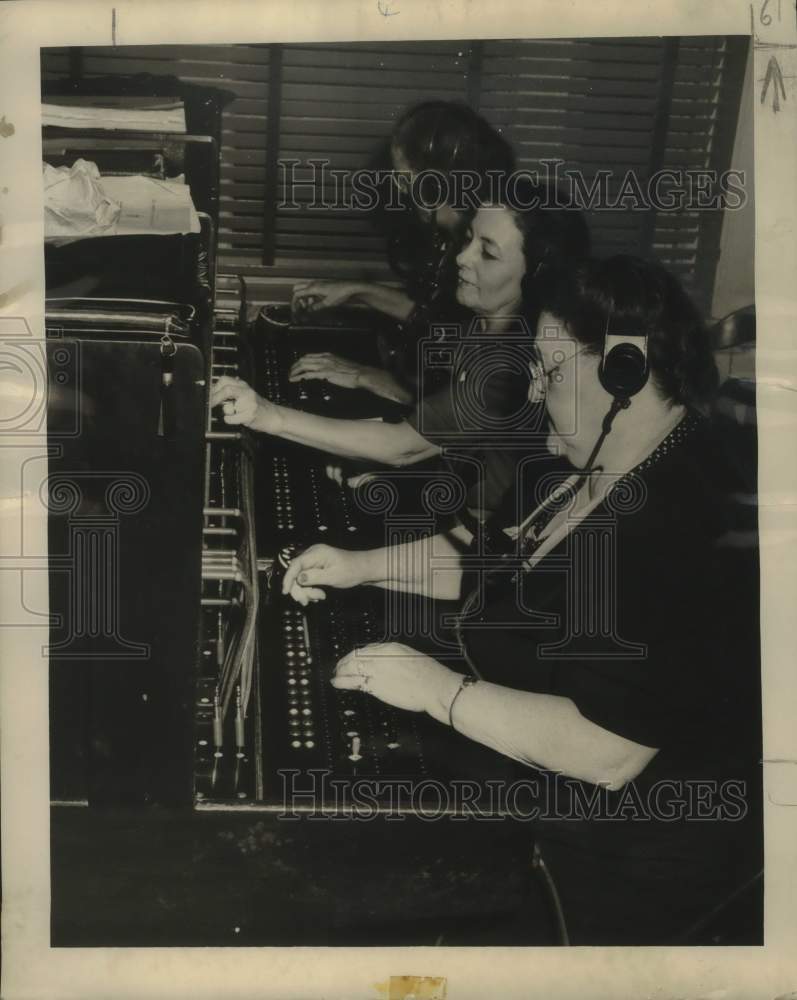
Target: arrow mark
{"x":775,"y":77}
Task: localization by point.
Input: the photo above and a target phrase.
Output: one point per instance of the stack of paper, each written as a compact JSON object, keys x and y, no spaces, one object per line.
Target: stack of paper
{"x":151,"y":206}
{"x":79,"y":203}
{"x":133,"y":114}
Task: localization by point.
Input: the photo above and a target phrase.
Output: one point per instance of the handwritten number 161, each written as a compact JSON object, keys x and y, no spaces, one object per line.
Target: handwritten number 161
{"x":764,"y":18}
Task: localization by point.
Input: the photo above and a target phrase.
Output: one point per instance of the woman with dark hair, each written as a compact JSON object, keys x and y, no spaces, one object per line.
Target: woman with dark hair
{"x":508,"y":249}
{"x":608,"y":642}
{"x":439,"y":162}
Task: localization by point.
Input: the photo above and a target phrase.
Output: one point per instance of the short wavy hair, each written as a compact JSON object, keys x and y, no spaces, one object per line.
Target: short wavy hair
{"x":555,"y":235}
{"x":629,"y":295}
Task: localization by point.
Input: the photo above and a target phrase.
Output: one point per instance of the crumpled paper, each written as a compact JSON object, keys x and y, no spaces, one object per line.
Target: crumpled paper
{"x":80,"y":203}
{"x":75,"y":203}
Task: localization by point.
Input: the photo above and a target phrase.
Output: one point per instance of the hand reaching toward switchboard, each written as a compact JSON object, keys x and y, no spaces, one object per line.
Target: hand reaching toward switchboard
{"x":241,"y":405}
{"x":312,"y":296}
{"x":331,"y":368}
{"x":323,"y":566}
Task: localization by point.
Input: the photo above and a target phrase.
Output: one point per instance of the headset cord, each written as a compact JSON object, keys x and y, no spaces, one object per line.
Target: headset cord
{"x":618,"y":403}
{"x":534,"y":537}
{"x":538,"y":865}
{"x":557,"y":502}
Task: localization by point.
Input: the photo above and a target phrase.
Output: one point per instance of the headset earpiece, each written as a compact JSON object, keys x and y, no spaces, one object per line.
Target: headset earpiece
{"x":624,"y":368}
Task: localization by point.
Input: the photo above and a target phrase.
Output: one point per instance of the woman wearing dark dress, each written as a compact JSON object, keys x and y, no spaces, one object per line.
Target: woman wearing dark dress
{"x":512,"y":242}
{"x":613,"y":653}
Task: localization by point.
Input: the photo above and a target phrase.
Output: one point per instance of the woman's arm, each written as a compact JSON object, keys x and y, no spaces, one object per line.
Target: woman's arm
{"x":311,"y":296}
{"x":430,"y":566}
{"x":391,"y":444}
{"x":544,"y":730}
{"x":540,"y":730}
{"x":381,"y":383}
{"x":393,"y":302}
{"x":349,"y":375}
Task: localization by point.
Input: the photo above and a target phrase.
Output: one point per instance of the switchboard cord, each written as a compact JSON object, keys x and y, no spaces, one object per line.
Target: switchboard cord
{"x":239,"y":665}
{"x":538,"y":865}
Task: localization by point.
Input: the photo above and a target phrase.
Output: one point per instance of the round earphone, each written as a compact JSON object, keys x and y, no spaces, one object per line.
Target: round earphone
{"x":624,"y":368}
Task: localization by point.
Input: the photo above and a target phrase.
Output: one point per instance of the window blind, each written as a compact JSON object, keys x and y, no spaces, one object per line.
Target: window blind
{"x":617,"y":105}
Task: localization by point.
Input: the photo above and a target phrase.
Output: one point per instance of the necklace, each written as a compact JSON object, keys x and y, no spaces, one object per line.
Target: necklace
{"x":683,"y":430}
{"x":562,"y":495}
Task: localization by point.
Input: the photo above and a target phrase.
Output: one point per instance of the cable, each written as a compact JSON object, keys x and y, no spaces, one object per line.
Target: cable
{"x":699,"y":925}
{"x":546,"y":512}
{"x":248,"y":501}
{"x":538,"y":865}
{"x":238,"y":666}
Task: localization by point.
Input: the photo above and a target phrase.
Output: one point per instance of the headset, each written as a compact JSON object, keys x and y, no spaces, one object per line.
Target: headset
{"x":623,"y":372}
{"x":624,"y":368}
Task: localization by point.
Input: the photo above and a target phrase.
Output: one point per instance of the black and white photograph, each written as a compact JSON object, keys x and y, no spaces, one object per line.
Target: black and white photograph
{"x":396,"y":423}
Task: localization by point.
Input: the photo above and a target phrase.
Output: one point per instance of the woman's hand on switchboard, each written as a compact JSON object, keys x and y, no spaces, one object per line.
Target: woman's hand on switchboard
{"x":349,"y":375}
{"x":400,"y":676}
{"x":242,"y":405}
{"x":331,"y":368}
{"x":311,"y":296}
{"x":335,"y":473}
{"x":322,"y":566}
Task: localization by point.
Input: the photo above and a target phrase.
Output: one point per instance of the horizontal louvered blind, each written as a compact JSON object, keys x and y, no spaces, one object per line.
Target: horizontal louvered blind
{"x":55,"y":63}
{"x":701,"y":125}
{"x":340,"y":103}
{"x":591,"y":104}
{"x":594,"y":104}
{"x":620,"y":105}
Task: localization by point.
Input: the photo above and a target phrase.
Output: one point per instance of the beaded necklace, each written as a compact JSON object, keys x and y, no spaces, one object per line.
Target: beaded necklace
{"x":533,"y":536}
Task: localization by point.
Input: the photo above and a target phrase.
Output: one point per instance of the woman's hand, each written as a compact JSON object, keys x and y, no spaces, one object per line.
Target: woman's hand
{"x":400,"y":676}
{"x":360,"y":479}
{"x":322,"y":566}
{"x":350,"y":375}
{"x":242,"y":405}
{"x":335,"y":473}
{"x":334,"y":369}
{"x":312,"y":296}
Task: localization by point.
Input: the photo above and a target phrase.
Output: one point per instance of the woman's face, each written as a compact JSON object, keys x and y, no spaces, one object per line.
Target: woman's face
{"x":492,"y":263}
{"x":445,"y":216}
{"x":575,"y":400}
